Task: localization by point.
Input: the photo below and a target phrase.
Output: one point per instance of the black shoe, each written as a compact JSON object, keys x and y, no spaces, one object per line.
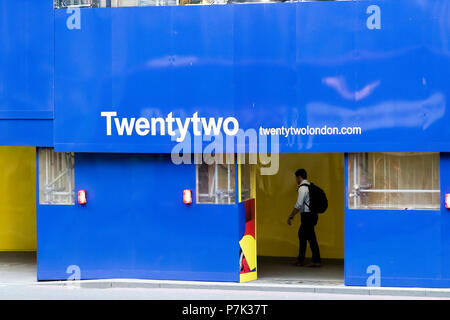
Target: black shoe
{"x":314,"y":265}
{"x":298,"y":263}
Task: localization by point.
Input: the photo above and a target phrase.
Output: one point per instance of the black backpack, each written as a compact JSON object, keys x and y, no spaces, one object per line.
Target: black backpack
{"x":318,"y":202}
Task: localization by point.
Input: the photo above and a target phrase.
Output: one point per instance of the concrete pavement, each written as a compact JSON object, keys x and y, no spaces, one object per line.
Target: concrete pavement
{"x":278,"y":281}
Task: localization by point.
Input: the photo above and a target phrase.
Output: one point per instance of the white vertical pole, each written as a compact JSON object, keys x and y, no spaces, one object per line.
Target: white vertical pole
{"x":45,"y":151}
{"x":229,"y":183}
{"x":355,"y":171}
{"x":216,"y":182}
{"x":384,"y":164}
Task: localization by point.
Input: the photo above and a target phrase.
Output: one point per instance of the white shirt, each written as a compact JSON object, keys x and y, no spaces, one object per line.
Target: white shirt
{"x":303,"y":197}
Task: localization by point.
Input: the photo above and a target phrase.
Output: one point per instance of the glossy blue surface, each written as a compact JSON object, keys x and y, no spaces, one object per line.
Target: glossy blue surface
{"x":268,"y":65}
{"x":410,"y":247}
{"x":135,"y":225}
{"x":26,"y":72}
{"x":271,"y":65}
{"x":26,"y":59}
{"x":26,"y":132}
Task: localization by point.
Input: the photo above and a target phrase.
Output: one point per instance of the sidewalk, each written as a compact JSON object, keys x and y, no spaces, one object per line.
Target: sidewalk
{"x":255,"y":286}
{"x":19,"y":270}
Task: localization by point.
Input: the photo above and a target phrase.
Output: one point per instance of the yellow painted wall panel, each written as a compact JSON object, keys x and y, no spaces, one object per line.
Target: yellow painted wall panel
{"x":276,"y":196}
{"x":17,"y":199}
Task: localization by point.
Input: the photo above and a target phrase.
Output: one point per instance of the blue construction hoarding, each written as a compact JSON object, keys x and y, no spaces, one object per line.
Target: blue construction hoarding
{"x":107,"y":83}
{"x":269,"y":66}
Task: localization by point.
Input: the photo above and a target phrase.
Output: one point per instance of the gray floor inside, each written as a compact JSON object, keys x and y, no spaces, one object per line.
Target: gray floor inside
{"x":280,"y":270}
{"x":17,"y":267}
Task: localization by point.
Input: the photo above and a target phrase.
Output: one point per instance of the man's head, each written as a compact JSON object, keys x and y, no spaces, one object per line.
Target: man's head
{"x":300,"y":175}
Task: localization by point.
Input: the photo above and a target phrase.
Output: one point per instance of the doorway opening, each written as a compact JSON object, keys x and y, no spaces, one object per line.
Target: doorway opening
{"x":17,"y":214}
{"x":277,"y":242}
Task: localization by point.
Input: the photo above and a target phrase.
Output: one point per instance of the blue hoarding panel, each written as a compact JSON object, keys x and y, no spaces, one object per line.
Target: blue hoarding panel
{"x":26,"y":60}
{"x":380,"y":67}
{"x":135,"y":225}
{"x":324,"y":63}
{"x":408,"y":248}
{"x":26,"y":132}
{"x":264,"y":64}
{"x":407,"y":101}
{"x":79,"y":87}
{"x":26,"y":77}
{"x":404,"y":246}
{"x":202,"y":72}
{"x":444,"y":253}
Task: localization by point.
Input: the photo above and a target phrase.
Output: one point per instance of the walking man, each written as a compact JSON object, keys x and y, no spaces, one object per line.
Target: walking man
{"x":308,"y":222}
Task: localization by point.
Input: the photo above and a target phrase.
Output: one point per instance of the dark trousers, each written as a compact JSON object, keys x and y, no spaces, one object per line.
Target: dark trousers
{"x":306,"y":233}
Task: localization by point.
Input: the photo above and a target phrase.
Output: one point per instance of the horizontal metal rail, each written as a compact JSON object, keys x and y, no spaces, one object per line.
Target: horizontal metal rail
{"x":395,"y":207}
{"x":398,"y":191}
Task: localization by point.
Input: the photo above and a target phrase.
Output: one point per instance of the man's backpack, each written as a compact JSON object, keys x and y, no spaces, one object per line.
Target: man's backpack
{"x":318,"y":202}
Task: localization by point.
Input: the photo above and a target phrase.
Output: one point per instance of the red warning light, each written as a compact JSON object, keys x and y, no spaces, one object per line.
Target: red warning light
{"x":82,"y":197}
{"x":187,"y":196}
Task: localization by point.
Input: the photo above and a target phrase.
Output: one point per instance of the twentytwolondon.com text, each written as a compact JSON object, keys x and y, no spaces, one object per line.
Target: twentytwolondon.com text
{"x":309,"y":131}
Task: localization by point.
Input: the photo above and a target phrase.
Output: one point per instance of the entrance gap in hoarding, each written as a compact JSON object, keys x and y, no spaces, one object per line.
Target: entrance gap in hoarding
{"x":17,"y":214}
{"x":277,"y":244}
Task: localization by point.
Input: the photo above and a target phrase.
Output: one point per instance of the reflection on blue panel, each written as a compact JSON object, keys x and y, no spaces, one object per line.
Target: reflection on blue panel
{"x":268,"y":65}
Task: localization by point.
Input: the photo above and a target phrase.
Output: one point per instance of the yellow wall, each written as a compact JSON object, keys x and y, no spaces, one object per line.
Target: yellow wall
{"x":17,"y":198}
{"x":276,"y":196}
